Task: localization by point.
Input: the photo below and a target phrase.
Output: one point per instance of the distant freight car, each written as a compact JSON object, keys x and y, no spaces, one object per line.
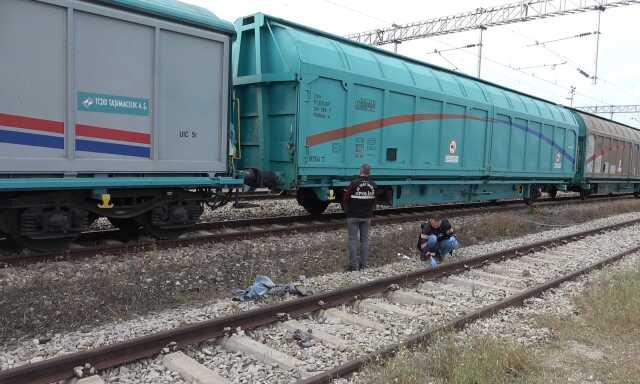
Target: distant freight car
{"x":609,"y":160}
{"x":314,"y":106}
{"x":112,"y":108}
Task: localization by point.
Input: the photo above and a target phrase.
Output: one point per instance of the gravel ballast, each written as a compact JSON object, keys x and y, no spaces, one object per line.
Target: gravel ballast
{"x":19,"y":351}
{"x":521,"y":324}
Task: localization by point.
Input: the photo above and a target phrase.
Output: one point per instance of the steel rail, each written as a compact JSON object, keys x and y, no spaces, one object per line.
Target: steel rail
{"x":269,"y":226}
{"x":250,"y":196}
{"x":355,"y":365}
{"x":61,"y":368}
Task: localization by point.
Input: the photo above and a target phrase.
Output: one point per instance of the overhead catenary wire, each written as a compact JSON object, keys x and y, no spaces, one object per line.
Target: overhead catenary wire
{"x":496,"y":62}
{"x":576,"y":65}
{"x":552,"y":66}
{"x":578,"y":36}
{"x":455,"y":67}
{"x":439,"y":51}
{"x":555,"y":84}
{"x":560,"y":56}
{"x":356,"y":11}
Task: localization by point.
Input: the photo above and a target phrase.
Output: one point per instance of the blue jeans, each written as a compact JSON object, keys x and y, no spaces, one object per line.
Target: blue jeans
{"x":358,"y":230}
{"x":442,"y":247}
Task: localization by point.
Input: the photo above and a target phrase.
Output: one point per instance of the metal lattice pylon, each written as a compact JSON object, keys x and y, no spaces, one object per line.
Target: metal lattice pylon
{"x":484,"y":17}
{"x":610,"y":108}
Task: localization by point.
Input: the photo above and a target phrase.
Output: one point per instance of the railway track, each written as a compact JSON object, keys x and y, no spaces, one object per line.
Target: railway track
{"x":343,"y":325}
{"x":108,"y":242}
{"x":266,"y":195}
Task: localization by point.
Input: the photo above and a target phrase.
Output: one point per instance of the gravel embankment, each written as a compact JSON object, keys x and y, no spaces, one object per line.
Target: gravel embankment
{"x":258,"y":209}
{"x":20,"y":350}
{"x":41,"y":299}
{"x":521,"y":324}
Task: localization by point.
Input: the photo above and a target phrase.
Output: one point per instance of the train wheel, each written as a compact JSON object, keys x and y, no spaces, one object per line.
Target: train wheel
{"x":169,"y":221}
{"x":310,"y":202}
{"x":553,"y":192}
{"x":48,"y":229}
{"x":534,"y":194}
{"x":583,"y":194}
{"x":161,"y":232}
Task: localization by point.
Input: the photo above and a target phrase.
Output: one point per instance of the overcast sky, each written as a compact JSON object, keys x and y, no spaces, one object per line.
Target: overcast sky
{"x":504,"y":47}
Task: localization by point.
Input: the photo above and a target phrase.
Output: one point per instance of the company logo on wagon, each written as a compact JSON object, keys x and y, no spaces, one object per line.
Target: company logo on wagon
{"x":452,"y":156}
{"x":88,"y":102}
{"x":103,"y":103}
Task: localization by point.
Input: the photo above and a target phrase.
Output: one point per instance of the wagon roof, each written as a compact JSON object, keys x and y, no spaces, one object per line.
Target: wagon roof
{"x":175,"y":11}
{"x":561,"y":109}
{"x":598,"y":124}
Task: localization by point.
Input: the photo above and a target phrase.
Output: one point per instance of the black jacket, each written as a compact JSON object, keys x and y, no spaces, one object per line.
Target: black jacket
{"x":359,"y":199}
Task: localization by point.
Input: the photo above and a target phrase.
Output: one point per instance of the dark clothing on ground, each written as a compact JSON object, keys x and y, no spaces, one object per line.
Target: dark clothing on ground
{"x":359,"y":199}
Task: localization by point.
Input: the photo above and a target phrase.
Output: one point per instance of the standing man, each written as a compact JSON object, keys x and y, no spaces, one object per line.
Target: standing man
{"x":358,"y":202}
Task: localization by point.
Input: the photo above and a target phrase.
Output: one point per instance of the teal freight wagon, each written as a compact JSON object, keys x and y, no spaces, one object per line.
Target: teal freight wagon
{"x":312,"y":107}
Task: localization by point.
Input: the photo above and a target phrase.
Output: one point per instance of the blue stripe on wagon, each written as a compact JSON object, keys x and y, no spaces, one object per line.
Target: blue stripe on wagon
{"x":542,"y":137}
{"x":111,"y":148}
{"x":31,"y":139}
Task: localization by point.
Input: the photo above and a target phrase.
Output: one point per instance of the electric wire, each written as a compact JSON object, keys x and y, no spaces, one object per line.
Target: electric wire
{"x":455,"y":68}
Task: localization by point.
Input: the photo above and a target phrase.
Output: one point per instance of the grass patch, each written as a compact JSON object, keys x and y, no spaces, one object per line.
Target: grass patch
{"x":602,"y":340}
{"x":598,"y":343}
{"x":611,"y":306}
{"x":476,"y":361}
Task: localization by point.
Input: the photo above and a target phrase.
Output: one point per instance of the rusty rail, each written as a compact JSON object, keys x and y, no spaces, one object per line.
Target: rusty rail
{"x":355,"y":365}
{"x":269,"y":226}
{"x":61,"y":368}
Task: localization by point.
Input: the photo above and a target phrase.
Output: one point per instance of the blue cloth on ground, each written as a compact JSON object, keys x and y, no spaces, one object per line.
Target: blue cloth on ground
{"x":259,"y":288}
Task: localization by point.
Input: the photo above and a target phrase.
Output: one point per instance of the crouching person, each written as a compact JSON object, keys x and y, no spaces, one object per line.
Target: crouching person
{"x":437,"y":240}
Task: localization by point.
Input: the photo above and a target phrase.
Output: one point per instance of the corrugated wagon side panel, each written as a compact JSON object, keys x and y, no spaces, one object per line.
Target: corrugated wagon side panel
{"x":114,"y":63}
{"x":452,"y":139}
{"x":396,"y":148}
{"x":95,"y":89}
{"x":427,"y":134}
{"x":32,"y":82}
{"x":190,"y":127}
{"x":501,"y":142}
{"x":366,"y":105}
{"x":346,"y":122}
{"x":323,"y":131}
{"x":532,"y":154}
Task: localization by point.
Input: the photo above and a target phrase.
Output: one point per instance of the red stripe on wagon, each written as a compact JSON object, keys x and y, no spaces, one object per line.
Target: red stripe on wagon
{"x":340,"y":133}
{"x":112,"y":134}
{"x":32,"y":123}
{"x":600,"y":154}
